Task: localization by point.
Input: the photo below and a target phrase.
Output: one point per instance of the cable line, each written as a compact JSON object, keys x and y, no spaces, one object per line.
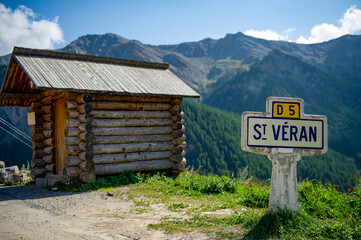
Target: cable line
{"x":16,"y":129}
{"x":17,"y":137}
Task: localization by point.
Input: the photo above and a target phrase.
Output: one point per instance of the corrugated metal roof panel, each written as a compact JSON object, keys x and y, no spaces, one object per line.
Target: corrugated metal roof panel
{"x":64,"y":71}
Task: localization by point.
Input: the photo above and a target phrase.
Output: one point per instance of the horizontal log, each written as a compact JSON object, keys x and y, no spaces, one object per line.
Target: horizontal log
{"x":69,"y":104}
{"x":72,"y":171}
{"x":35,"y":104}
{"x":48,"y":133}
{"x":48,"y":125}
{"x":85,"y":108}
{"x":37,"y":162}
{"x":49,"y":158}
{"x":86,"y":156}
{"x":128,"y":106}
{"x":131,"y":131}
{"x":46,"y":117}
{"x":39,"y":121}
{"x":131,"y":122}
{"x":107,"y":97}
{"x":175,"y":110}
{"x":177,"y":149}
{"x":49,"y":142}
{"x":86,"y":146}
{"x":158,"y":164}
{"x":177,"y":118}
{"x":72,"y":132}
{"x":73,"y":150}
{"x":132,"y":139}
{"x":177,"y":157}
{"x":38,"y":154}
{"x":46,"y":109}
{"x":132,"y":147}
{"x":49,"y":150}
{"x":72,"y":141}
{"x":180,"y":166}
{"x":175,"y":101}
{"x":72,"y":122}
{"x":50,"y":167}
{"x":86,"y":117}
{"x":87,"y":136}
{"x":180,"y":140}
{"x":130,"y":157}
{"x":72,"y":113}
{"x":50,"y":93}
{"x":38,"y":137}
{"x":87,"y":177}
{"x":85,"y":127}
{"x":46,"y":100}
{"x":84,"y":98}
{"x":38,"y":145}
{"x":177,"y":133}
{"x":38,"y":172}
{"x":37,"y":129}
{"x":130,"y":114}
{"x":72,"y":161}
{"x":87,"y":166}
{"x":177,"y":126}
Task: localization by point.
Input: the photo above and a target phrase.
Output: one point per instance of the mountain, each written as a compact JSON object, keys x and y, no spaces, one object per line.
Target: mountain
{"x":238,"y":73}
{"x":279,"y":74}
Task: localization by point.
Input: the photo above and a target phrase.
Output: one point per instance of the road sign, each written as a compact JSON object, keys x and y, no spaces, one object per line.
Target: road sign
{"x":284,"y":133}
{"x":284,"y":125}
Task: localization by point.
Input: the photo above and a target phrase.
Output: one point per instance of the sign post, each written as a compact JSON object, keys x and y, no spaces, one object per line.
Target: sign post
{"x":285,"y":134}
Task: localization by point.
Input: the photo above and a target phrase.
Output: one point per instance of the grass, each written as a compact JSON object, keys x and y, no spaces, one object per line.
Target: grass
{"x":235,"y":208}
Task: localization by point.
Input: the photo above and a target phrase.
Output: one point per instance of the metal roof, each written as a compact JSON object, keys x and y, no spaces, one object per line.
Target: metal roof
{"x":75,"y":72}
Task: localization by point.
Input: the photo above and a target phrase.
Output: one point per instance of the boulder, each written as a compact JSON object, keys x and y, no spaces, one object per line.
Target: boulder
{"x":2,"y":164}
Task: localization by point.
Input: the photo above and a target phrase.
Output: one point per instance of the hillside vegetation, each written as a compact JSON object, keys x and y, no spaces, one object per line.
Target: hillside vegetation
{"x":214,"y":146}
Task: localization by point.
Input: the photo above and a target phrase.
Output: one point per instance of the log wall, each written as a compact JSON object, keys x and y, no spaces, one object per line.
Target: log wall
{"x":108,"y":134}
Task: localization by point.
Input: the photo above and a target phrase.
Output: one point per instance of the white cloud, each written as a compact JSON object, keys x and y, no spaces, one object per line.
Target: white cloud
{"x":348,"y":24}
{"x":20,"y":28}
{"x":268,"y":34}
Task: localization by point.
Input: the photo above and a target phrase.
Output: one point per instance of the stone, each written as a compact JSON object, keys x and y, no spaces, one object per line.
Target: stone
{"x":2,"y":164}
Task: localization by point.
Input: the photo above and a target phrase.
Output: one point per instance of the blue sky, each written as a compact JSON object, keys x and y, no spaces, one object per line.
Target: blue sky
{"x":54,"y":24}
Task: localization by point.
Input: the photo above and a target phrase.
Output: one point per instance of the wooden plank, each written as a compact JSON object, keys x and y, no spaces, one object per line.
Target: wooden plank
{"x":60,"y":126}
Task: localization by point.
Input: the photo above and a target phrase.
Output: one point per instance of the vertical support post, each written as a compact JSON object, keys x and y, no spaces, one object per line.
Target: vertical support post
{"x":283,"y":191}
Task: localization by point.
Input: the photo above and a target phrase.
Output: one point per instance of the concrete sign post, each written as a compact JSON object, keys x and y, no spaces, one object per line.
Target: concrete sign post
{"x":285,"y":134}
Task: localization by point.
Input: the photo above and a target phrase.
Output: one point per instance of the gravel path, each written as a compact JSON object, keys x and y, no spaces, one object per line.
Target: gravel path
{"x":28,"y":212}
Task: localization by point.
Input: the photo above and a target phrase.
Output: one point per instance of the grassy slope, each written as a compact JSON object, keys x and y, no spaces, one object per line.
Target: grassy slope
{"x":236,"y":208}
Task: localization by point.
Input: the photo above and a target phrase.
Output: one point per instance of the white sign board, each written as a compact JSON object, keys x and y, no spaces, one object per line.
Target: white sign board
{"x":284,"y":133}
{"x":284,"y":125}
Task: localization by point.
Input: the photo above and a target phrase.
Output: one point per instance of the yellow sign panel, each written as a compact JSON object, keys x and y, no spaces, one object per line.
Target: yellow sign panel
{"x":286,"y":110}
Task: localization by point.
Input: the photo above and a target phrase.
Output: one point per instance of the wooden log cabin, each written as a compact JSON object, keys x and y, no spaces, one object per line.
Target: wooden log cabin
{"x":96,"y":115}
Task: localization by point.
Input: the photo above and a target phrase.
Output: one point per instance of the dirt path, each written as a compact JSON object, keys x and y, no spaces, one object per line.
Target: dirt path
{"x":28,"y":212}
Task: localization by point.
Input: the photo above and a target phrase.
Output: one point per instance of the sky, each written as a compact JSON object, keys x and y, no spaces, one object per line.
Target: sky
{"x":52,"y":24}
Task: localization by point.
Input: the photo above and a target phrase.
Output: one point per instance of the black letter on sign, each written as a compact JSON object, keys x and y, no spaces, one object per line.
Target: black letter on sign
{"x":279,"y":109}
{"x":256,"y":130}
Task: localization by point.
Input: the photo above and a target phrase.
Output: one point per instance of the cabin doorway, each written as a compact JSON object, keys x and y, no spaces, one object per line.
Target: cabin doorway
{"x":60,"y":125}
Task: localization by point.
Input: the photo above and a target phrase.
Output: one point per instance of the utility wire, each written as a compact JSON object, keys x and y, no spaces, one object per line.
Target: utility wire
{"x":15,"y":129}
{"x":17,"y":137}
